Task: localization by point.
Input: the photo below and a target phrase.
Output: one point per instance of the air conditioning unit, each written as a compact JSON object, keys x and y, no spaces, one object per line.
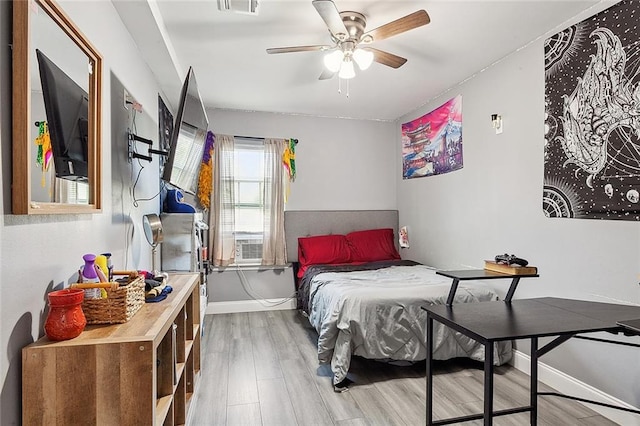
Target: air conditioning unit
{"x":249,"y":249}
{"x":249,"y":7}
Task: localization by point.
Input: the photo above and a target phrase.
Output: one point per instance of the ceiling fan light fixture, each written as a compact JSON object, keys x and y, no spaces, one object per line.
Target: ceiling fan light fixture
{"x":347,"y":31}
{"x":364,"y":58}
{"x":346,"y":70}
{"x":333,"y":60}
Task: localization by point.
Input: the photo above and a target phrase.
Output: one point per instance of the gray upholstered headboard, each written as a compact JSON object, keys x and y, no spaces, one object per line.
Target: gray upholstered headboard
{"x":300,"y":223}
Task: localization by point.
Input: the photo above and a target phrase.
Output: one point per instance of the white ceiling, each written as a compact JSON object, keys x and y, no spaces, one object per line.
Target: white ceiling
{"x":228,"y":51}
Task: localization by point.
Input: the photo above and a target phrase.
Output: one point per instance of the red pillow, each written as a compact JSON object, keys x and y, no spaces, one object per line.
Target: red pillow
{"x":322,"y":250}
{"x":372,"y":245}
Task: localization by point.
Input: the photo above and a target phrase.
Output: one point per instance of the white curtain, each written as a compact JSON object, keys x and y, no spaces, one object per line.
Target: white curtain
{"x":221,"y":214}
{"x":273,"y":245}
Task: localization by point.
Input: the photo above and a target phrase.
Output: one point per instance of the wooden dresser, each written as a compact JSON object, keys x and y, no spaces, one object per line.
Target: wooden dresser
{"x":142,"y":372}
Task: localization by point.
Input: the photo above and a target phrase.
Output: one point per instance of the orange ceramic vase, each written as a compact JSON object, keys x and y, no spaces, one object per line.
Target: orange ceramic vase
{"x":66,"y":319}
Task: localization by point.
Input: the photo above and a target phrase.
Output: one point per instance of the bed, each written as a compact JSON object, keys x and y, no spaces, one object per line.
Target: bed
{"x":363,"y":299}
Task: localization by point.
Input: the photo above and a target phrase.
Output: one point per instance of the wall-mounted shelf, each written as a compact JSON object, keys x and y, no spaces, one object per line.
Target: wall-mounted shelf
{"x":141,"y":372}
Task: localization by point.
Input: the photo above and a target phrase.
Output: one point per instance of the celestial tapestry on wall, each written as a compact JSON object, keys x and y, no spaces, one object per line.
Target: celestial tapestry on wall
{"x":592,"y":117}
{"x":432,"y":144}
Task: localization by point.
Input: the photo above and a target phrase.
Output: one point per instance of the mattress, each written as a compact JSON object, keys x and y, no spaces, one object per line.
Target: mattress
{"x":374,"y":311}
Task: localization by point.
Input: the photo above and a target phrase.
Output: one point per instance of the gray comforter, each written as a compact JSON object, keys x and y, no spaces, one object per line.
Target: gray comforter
{"x":376,"y":314}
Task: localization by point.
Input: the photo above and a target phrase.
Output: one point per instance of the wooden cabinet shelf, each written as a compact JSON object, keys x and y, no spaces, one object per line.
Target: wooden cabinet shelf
{"x":141,"y":372}
{"x":163,"y":406}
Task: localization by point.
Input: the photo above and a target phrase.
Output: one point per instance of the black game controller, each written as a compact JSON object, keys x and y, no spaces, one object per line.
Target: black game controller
{"x":510,"y":259}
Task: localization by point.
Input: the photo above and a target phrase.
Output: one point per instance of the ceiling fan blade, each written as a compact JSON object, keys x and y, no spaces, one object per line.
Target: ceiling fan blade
{"x":399,"y":26}
{"x":326,"y":75}
{"x":330,"y":15}
{"x":298,"y":49}
{"x":386,"y":58}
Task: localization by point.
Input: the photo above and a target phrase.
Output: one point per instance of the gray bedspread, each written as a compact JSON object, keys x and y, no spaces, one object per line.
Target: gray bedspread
{"x":375,"y":313}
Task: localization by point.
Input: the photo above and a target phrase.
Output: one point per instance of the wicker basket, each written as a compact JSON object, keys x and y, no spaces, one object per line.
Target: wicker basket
{"x":121,"y":303}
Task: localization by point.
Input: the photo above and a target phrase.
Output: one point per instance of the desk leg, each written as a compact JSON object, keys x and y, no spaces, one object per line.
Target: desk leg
{"x":512,"y":289}
{"x":534,"y":381}
{"x":488,"y":383}
{"x":429,"y":373}
{"x":452,"y":291}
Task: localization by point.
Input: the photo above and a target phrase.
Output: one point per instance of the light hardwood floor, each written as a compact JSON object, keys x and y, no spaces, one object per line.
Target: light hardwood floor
{"x":261,"y":368}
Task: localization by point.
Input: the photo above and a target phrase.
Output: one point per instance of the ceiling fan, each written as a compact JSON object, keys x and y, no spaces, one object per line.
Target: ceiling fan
{"x":351,"y":42}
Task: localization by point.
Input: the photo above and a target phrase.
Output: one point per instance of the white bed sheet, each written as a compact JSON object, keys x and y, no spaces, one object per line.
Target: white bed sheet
{"x":377,"y":314}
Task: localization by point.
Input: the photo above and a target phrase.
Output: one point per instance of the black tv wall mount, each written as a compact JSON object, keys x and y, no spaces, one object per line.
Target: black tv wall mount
{"x":132,"y":138}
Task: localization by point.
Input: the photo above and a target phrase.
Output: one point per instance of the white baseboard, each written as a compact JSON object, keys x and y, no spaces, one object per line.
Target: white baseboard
{"x":568,"y":385}
{"x":250,"y":306}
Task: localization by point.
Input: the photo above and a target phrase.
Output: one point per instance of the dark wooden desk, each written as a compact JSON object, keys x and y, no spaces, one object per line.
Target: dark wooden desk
{"x":490,"y":322}
{"x":481,"y":274}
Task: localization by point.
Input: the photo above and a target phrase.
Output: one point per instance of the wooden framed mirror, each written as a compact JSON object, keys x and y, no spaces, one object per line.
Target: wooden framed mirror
{"x":57,"y":86}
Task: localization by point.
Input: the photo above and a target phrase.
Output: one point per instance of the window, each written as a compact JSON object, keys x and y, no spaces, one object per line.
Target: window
{"x":73,"y":192}
{"x":80,"y":192}
{"x":249,"y":200}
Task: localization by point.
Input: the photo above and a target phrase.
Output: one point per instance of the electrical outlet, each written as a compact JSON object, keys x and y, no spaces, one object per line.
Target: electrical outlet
{"x":126,"y":97}
{"x":130,"y":102}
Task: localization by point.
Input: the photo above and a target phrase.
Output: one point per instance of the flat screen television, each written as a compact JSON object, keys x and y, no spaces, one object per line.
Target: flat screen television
{"x":187,"y":139}
{"x":67,"y":108}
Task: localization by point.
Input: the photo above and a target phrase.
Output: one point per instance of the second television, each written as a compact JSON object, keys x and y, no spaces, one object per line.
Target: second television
{"x":187,"y":139}
{"x":67,"y":108}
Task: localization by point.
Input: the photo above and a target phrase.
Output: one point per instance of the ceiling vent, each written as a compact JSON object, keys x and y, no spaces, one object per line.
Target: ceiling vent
{"x":248,"y":7}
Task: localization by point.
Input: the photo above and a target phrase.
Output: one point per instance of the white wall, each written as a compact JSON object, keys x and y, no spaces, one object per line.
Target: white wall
{"x":44,"y":252}
{"x":494,"y":205}
{"x":342,"y":164}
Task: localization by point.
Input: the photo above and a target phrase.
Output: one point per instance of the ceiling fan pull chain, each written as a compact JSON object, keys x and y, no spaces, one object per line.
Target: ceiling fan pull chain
{"x":347,"y":89}
{"x":339,"y":85}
